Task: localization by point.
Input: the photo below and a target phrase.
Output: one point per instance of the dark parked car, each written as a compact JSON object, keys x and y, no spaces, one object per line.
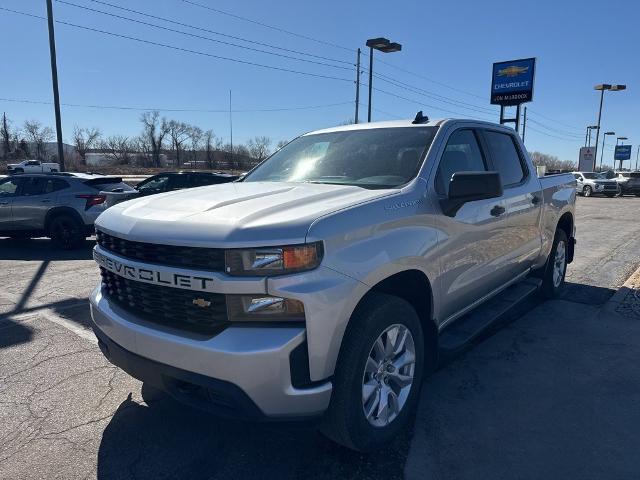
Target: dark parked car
{"x":167,"y":181}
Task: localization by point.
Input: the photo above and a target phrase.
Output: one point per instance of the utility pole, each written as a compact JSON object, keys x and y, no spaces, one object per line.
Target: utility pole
{"x":637,"y":155}
{"x":231,"y":127}
{"x":357,"y":86}
{"x":524,"y":124}
{"x":370,"y":83}
{"x":54,"y":79}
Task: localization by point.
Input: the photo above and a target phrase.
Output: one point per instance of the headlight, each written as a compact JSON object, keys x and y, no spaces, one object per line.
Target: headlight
{"x":259,"y":307}
{"x":274,"y":261}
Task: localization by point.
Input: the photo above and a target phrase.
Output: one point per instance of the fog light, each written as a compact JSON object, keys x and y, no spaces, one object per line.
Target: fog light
{"x":248,"y":308}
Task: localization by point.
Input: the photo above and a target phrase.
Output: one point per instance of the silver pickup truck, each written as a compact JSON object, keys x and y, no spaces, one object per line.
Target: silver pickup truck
{"x":329,"y":280}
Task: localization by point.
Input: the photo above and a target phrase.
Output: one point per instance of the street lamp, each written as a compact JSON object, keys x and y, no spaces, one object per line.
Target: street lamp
{"x":587,"y":138}
{"x":383,"y":45}
{"x":602,"y":87}
{"x":620,"y":138}
{"x":604,"y":137}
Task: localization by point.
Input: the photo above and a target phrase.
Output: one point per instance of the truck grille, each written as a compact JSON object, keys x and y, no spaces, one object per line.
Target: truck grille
{"x":170,"y":307}
{"x":200,"y":258}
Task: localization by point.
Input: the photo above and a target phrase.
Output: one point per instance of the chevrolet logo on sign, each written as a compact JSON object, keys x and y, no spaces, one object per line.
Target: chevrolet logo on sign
{"x":201,"y":302}
{"x":512,"y":71}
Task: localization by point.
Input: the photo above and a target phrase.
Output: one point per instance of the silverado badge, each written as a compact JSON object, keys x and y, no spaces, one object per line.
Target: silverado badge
{"x":201,"y":302}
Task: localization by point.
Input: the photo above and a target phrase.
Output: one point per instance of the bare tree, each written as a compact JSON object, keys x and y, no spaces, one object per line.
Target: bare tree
{"x":85,"y":139}
{"x":154,"y":131}
{"x":195,"y":136}
{"x":38,"y":136}
{"x":551,"y":161}
{"x":259,"y":148}
{"x":5,"y":137}
{"x":118,"y":148}
{"x":281,"y":144}
{"x":179,"y":133}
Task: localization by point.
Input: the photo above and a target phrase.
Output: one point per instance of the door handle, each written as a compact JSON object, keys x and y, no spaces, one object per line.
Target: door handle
{"x":535,"y":200}
{"x":497,"y":210}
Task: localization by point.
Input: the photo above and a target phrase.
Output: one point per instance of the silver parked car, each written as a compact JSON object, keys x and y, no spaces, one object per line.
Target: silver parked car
{"x":62,"y":206}
{"x":591,"y":183}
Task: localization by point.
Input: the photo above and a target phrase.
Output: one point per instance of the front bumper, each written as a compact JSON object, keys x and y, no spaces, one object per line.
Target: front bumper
{"x":244,"y":371}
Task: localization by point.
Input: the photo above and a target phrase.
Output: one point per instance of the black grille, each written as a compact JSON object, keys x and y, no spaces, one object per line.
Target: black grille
{"x":171,"y":307}
{"x":200,"y":258}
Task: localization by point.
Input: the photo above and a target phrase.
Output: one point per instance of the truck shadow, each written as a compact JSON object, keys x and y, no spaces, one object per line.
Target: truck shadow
{"x":168,"y":440}
{"x":42,"y":249}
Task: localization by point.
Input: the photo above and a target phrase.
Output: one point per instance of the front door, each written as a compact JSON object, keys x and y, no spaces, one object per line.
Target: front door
{"x":8,"y":191}
{"x":472,"y":243}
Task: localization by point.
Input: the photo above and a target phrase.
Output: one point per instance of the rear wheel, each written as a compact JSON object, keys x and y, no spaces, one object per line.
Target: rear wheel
{"x":556,"y":267}
{"x":378,"y":374}
{"x":66,"y":232}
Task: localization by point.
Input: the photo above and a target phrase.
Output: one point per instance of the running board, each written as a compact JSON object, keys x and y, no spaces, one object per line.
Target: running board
{"x":469,"y":327}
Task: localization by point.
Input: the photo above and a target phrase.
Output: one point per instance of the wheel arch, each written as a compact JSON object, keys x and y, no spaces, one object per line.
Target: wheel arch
{"x":414,"y":287}
{"x":58,"y":211}
{"x":566,"y":224}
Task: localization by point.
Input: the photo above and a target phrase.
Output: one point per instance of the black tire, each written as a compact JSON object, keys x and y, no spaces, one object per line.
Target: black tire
{"x":587,"y":191}
{"x":637,"y":194}
{"x":551,"y":288}
{"x":66,"y":232}
{"x":345,"y":421}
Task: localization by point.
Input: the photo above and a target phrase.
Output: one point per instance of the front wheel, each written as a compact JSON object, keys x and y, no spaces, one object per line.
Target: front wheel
{"x":587,"y":191}
{"x":378,"y":375}
{"x":556,"y":267}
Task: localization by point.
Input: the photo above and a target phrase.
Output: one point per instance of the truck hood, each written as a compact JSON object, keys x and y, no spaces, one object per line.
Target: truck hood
{"x":232,"y":214}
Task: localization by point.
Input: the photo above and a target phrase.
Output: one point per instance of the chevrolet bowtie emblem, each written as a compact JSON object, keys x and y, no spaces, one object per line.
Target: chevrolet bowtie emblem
{"x":201,"y":302}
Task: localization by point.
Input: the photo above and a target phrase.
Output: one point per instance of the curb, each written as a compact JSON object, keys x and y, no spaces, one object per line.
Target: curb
{"x":632,"y":283}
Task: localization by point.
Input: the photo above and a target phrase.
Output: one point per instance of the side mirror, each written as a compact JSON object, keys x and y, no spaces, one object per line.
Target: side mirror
{"x":468,"y":187}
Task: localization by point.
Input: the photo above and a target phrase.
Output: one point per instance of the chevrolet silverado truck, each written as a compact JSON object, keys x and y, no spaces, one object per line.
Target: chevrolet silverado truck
{"x":334,"y":276}
{"x":32,"y":166}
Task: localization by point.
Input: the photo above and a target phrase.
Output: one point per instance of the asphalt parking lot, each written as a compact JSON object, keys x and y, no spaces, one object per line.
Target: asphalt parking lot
{"x":65,"y":412}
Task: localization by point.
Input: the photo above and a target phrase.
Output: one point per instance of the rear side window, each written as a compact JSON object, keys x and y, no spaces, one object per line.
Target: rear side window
{"x":55,"y":184}
{"x":462,"y":154}
{"x":505,"y":157}
{"x":181,"y":181}
{"x":33,"y":186}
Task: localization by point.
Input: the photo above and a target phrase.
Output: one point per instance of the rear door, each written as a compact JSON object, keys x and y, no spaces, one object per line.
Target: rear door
{"x":180,"y":181}
{"x":523,"y":199}
{"x":30,"y":207}
{"x":472,"y":243}
{"x":9,"y":189}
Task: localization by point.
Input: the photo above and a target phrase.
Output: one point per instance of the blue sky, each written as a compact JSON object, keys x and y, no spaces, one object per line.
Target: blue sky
{"x":447,"y":46}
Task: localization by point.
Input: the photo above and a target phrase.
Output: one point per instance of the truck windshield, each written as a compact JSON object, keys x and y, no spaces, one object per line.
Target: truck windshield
{"x":368,"y":158}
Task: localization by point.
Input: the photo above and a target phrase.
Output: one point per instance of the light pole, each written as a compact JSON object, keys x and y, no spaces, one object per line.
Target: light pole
{"x":604,"y":137}
{"x":383,"y":45}
{"x":602,"y":87}
{"x":637,"y":155}
{"x":587,"y":140}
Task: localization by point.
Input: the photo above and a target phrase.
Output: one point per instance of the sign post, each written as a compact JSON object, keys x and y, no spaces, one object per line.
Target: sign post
{"x":587,"y":159}
{"x":512,"y":85}
{"x":622,"y":153}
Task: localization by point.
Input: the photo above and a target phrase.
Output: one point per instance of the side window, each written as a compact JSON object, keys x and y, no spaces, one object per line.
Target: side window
{"x":9,"y":187}
{"x":54,"y":184}
{"x":506,"y":159}
{"x":462,"y":154}
{"x":33,"y":163}
{"x":33,"y":186}
{"x":158,"y":183}
{"x":577,"y":177}
{"x":181,"y":181}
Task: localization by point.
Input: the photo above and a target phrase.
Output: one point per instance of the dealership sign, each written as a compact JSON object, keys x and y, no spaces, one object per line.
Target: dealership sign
{"x":623,"y":152}
{"x":587,"y":159}
{"x":512,"y":82}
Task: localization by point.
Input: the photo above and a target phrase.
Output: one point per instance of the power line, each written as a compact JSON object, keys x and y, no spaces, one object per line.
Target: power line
{"x":201,"y":36}
{"x":181,"y":49}
{"x":556,"y":121}
{"x":161,"y":109}
{"x":551,"y":135}
{"x":442,"y":84}
{"x":433,"y":96}
{"x":262,"y":24}
{"x":234,"y":37}
{"x":418,"y":102}
{"x":555,"y":130}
